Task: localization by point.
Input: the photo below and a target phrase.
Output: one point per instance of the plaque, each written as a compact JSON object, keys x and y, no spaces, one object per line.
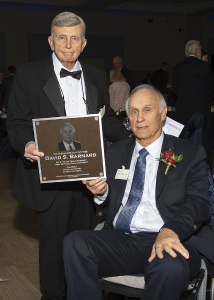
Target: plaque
{"x":72,"y":146}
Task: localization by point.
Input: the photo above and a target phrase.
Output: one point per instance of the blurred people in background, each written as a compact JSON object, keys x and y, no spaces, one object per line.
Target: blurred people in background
{"x":118,"y":64}
{"x":147,"y":80}
{"x":193,"y":83}
{"x":159,"y":78}
{"x":119,"y":91}
{"x":2,"y":75}
{"x":204,"y":55}
{"x":7,"y":84}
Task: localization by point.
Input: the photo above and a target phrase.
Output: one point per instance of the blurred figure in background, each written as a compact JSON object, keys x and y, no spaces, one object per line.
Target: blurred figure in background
{"x":204,"y":55}
{"x":118,"y":64}
{"x":147,"y":80}
{"x":159,"y":78}
{"x":119,"y":91}
{"x":193,"y":83}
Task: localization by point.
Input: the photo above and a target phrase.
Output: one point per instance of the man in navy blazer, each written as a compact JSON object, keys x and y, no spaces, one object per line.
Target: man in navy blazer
{"x":159,"y":240}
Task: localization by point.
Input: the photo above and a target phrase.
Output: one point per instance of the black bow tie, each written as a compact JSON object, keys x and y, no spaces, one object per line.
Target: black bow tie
{"x":76,"y":74}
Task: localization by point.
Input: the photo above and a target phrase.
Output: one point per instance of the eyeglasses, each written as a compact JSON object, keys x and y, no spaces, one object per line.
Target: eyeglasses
{"x":74,"y":39}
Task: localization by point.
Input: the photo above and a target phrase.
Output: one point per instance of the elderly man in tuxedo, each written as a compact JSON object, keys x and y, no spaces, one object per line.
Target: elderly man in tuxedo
{"x":152,"y":211}
{"x":57,"y":86}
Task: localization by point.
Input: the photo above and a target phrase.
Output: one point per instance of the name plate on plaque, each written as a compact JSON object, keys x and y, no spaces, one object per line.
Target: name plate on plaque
{"x":72,"y":146}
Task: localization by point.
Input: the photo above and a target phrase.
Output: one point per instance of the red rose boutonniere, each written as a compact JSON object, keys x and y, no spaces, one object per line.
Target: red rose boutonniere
{"x":170,"y":159}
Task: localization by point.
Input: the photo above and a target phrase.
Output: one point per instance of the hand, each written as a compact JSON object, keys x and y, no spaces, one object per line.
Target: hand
{"x":31,"y":153}
{"x":167,"y":240}
{"x":97,"y":186}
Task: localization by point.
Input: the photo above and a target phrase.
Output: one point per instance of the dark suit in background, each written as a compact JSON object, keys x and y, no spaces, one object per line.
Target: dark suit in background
{"x":6,"y":88}
{"x":193,"y":83}
{"x":159,"y":80}
{"x":182,"y":200}
{"x":61,"y":146}
{"x":61,"y":207}
{"x":128,"y":76}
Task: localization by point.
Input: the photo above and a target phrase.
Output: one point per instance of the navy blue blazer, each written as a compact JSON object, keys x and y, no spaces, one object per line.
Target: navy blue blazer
{"x":182,"y":196}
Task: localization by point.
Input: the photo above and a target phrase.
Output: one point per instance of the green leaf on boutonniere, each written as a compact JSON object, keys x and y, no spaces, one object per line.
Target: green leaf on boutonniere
{"x":179,"y":158}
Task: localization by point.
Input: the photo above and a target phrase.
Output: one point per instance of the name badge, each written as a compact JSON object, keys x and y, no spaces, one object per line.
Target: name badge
{"x":122,"y":174}
{"x":102,"y":111}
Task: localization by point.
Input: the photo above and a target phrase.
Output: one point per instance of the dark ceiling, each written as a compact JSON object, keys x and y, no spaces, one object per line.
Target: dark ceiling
{"x":144,"y":7}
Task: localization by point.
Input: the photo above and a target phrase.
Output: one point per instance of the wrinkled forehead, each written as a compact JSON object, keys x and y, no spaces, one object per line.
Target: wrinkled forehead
{"x":144,"y":97}
{"x":67,"y":30}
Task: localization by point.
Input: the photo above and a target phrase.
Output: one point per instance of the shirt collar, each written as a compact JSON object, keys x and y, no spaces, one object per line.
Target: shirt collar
{"x":58,"y":66}
{"x":154,"y":148}
{"x":66,"y":144}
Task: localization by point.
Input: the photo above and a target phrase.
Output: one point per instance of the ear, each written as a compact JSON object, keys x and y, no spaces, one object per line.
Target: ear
{"x":163,"y":114}
{"x":50,"y":41}
{"x":83,"y":45}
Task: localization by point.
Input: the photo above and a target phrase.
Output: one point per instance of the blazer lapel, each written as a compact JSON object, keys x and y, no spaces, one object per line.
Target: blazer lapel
{"x":51,"y":87}
{"x":161,"y":177}
{"x":91,"y":90}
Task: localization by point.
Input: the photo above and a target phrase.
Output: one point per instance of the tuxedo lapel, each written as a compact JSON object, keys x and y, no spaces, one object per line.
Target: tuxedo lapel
{"x":161,"y":177}
{"x":91,"y":90}
{"x":51,"y":87}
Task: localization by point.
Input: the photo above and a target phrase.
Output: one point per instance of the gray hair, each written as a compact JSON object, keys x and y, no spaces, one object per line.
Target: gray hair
{"x":118,"y":57}
{"x":67,"y":19}
{"x":190,"y":47}
{"x":61,"y":129}
{"x":162,"y":101}
{"x":116,"y":76}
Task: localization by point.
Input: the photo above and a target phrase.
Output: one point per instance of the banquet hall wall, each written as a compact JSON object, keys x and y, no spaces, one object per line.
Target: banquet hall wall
{"x":144,"y":45}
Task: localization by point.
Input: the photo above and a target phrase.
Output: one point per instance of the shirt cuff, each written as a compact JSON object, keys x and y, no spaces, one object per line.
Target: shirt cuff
{"x":100,"y":199}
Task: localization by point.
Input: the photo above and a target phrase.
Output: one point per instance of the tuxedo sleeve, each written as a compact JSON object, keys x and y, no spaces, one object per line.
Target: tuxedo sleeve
{"x":19,"y":120}
{"x":113,"y":130}
{"x":196,"y":207}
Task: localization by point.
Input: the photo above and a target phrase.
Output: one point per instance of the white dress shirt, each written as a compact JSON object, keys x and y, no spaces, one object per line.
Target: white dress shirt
{"x":146,"y":216}
{"x":73,"y":89}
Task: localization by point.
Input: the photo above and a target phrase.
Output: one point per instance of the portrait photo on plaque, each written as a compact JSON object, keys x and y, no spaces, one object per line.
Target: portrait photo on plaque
{"x":72,"y":146}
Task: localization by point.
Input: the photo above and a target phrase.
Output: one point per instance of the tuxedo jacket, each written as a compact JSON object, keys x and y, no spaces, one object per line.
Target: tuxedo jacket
{"x":193,"y":83}
{"x":61,"y":146}
{"x":182,"y":196}
{"x":36,"y":94}
{"x":159,"y":80}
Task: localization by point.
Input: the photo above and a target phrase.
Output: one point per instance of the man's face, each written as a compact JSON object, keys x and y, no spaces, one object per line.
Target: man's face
{"x":1,"y":76}
{"x":117,"y":64}
{"x":67,"y":43}
{"x":198,"y":52}
{"x":67,"y":134}
{"x":145,"y":117}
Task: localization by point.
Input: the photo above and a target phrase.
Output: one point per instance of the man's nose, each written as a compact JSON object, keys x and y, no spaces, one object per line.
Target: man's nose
{"x":140,"y":117}
{"x":68,"y":43}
